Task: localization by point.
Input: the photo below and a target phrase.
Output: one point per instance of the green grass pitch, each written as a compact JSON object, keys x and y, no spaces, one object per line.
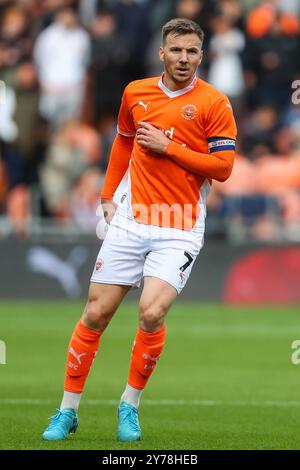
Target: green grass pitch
{"x":225,"y":379}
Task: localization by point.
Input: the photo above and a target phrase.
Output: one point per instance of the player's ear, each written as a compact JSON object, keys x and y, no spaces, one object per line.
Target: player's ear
{"x":161,"y":54}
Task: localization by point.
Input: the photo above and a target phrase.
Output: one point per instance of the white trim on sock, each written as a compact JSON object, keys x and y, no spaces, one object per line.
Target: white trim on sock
{"x":70,"y":400}
{"x":132,"y":395}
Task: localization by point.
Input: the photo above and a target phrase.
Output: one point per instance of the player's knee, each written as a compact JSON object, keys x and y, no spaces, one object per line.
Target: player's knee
{"x":151,"y":317}
{"x":96,"y":315}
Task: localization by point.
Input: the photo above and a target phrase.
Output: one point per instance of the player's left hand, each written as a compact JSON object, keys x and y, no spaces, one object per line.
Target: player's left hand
{"x":151,"y":138}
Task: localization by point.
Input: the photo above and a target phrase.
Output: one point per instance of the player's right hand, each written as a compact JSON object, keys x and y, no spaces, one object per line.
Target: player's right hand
{"x":109,"y":208}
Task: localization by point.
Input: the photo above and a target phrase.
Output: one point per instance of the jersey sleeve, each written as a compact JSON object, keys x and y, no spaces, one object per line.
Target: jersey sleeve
{"x":118,"y":164}
{"x":220,"y":130}
{"x":125,"y":121}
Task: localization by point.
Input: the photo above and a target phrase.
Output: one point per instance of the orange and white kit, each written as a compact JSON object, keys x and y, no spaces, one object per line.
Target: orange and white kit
{"x":164,"y":194}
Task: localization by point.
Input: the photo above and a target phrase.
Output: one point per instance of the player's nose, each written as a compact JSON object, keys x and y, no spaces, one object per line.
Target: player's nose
{"x":183,"y":57}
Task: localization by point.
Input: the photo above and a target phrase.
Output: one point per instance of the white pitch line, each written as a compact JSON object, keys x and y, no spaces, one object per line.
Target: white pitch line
{"x":254,"y":403}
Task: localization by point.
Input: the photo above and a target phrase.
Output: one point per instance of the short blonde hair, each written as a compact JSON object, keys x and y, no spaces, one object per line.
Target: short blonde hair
{"x":180,"y":27}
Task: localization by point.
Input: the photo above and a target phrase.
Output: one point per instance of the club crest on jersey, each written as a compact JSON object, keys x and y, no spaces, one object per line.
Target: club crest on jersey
{"x":99,"y":265}
{"x":189,"y":112}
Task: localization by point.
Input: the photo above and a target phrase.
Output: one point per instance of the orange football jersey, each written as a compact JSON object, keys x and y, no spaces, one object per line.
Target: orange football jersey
{"x":198,"y":117}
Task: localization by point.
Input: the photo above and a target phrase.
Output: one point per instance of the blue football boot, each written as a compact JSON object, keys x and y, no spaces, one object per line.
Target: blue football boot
{"x":129,"y":426}
{"x":62,"y":424}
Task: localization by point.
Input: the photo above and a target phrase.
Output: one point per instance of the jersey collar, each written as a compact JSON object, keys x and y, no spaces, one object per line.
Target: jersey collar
{"x":182,"y":91}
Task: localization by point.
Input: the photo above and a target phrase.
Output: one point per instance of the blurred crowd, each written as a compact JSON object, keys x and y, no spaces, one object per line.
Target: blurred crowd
{"x":65,"y":64}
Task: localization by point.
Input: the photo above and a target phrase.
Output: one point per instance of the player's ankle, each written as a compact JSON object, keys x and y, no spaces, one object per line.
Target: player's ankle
{"x":131,"y":395}
{"x":70,"y":400}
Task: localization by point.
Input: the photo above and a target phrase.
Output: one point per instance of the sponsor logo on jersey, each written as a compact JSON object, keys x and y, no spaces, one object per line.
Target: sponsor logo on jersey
{"x":170,"y":133}
{"x":189,"y":112}
{"x":144,"y":105}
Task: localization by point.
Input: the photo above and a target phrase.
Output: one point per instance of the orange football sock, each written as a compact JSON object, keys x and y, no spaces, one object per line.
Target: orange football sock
{"x":145,"y":354}
{"x":82,"y":350}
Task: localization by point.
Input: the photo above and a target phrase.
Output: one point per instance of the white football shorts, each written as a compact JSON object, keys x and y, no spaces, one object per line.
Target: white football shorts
{"x":131,"y":251}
